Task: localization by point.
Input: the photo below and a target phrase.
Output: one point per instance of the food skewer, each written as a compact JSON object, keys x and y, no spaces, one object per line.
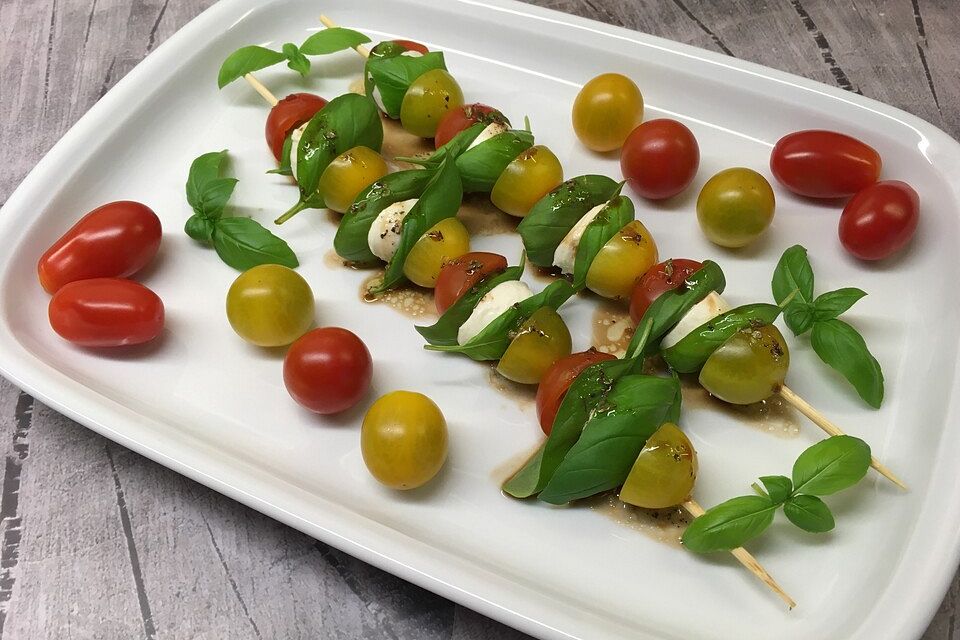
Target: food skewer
{"x":258,"y":86}
{"x":330,"y":24}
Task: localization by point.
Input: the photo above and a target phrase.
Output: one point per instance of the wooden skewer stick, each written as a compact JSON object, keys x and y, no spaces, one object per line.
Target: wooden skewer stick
{"x":746,"y":559}
{"x":328,"y":23}
{"x":262,"y":90}
{"x":821,"y":421}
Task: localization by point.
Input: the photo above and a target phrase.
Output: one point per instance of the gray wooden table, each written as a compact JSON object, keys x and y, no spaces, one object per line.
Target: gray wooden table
{"x":98,"y":542}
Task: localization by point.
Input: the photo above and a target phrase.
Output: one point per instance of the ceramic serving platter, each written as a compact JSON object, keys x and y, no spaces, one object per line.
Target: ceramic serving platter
{"x":206,"y":404}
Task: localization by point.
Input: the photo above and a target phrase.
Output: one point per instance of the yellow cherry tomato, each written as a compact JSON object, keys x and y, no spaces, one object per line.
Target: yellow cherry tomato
{"x":429,"y":98}
{"x":665,"y":470}
{"x":403,"y":439}
{"x":735,"y":207}
{"x":444,"y":241}
{"x":270,"y":305}
{"x":530,"y":176}
{"x":541,"y":340}
{"x":622,"y":261}
{"x":749,"y":367}
{"x":350,"y":173}
{"x":606,"y":110}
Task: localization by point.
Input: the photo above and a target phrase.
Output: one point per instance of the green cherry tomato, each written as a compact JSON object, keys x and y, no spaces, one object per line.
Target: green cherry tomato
{"x":444,"y":241}
{"x":403,"y":439}
{"x":530,"y":176}
{"x":749,"y":367}
{"x":350,"y":173}
{"x":622,"y":261}
{"x":428,"y":100}
{"x":665,"y":470}
{"x":541,"y":340}
{"x":270,"y":305}
{"x":735,"y":207}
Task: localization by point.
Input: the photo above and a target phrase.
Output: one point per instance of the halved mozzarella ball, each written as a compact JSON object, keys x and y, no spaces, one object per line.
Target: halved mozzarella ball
{"x":491,"y":130}
{"x":704,"y":311}
{"x":384,"y":234}
{"x":497,"y":300}
{"x":565,"y":255}
{"x":295,"y":137}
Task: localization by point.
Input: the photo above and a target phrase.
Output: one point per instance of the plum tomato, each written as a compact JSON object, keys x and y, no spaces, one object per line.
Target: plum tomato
{"x":428,"y":100}
{"x":327,"y":370}
{"x":749,"y":367}
{"x":622,"y":261}
{"x":606,"y":110}
{"x":270,"y":305}
{"x":463,"y":118}
{"x":446,"y":240}
{"x":664,"y":472}
{"x":530,"y":176}
{"x":824,"y":164}
{"x":660,"y":158}
{"x":459,"y":275}
{"x":541,"y":340}
{"x":113,"y":241}
{"x":106,"y":312}
{"x":350,"y":173}
{"x":557,"y":380}
{"x":660,"y":278}
{"x":880,"y":220}
{"x":403,"y":440}
{"x":287,"y":115}
{"x":735,"y":207}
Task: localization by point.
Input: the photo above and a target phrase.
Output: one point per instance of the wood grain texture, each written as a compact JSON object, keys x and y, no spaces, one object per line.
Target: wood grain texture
{"x":98,"y":542}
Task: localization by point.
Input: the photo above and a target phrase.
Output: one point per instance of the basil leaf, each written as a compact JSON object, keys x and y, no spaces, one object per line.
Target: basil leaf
{"x":552,"y":217}
{"x":295,"y":59}
{"x":393,"y":75}
{"x":492,"y":342}
{"x":350,"y":241}
{"x":200,"y":228}
{"x":810,"y":513}
{"x":247,"y":60}
{"x":843,"y":348}
{"x":481,"y":166}
{"x":831,"y":465}
{"x":440,"y":200}
{"x":730,"y":524}
{"x":667,"y":310}
{"x":793,"y":273}
{"x":243,"y":243}
{"x":332,"y":40}
{"x":799,"y":316}
{"x":778,"y":488}
{"x":284,"y":169}
{"x":691,"y":352}
{"x":612,"y":218}
{"x":831,"y":304}
{"x":612,"y":439}
{"x":207,"y":192}
{"x":444,"y":331}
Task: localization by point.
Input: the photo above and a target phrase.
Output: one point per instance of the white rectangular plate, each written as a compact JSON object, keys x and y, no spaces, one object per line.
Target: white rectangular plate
{"x":202,"y":402}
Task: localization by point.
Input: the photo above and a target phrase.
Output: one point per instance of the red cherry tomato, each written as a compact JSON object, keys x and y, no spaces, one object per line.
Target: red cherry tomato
{"x":660,"y":158}
{"x":287,"y":115}
{"x":824,"y":164}
{"x":106,"y":312}
{"x":463,"y":118}
{"x":880,"y":220}
{"x":112,"y":241}
{"x":660,"y":278}
{"x":327,"y":370}
{"x":410,"y":45}
{"x":557,"y":380}
{"x":460,"y":275}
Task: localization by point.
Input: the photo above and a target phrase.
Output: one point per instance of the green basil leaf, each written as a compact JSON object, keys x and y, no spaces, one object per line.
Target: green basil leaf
{"x":207,"y":192}
{"x":810,"y":513}
{"x":247,"y":60}
{"x":831,"y":304}
{"x":793,"y":274}
{"x":440,"y":200}
{"x":552,"y":217}
{"x":295,"y":59}
{"x":481,"y":166}
{"x":689,"y":354}
{"x":730,"y":524}
{"x":778,"y":488}
{"x":243,"y":243}
{"x":393,"y":75}
{"x":444,"y":331}
{"x":606,"y":224}
{"x":332,"y":40}
{"x":492,"y":342}
{"x":284,"y":169}
{"x":799,"y":316}
{"x":200,"y":228}
{"x":831,"y":465}
{"x":667,"y":310}
{"x":611,"y":440}
{"x":843,"y":348}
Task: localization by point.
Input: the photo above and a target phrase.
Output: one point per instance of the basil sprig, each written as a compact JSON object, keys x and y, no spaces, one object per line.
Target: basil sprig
{"x":242,"y":243}
{"x":392,"y":74}
{"x":444,"y":331}
{"x":552,"y":217}
{"x":253,"y":58}
{"x":831,"y":465}
{"x":617,"y":213}
{"x":492,"y":342}
{"x":285,"y":169}
{"x":837,"y":343}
